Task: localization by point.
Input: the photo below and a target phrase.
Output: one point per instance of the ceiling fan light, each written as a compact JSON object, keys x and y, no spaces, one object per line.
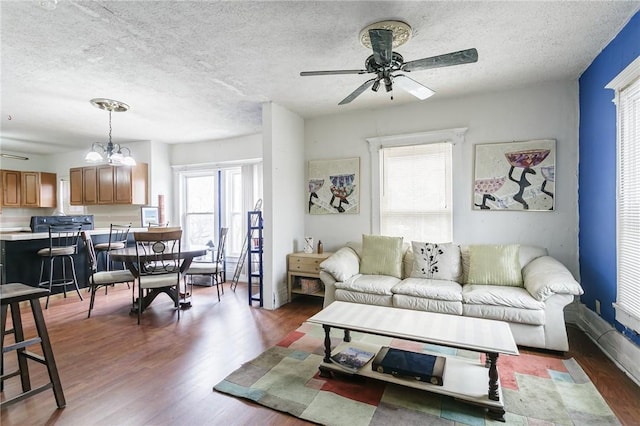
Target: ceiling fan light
{"x":388,"y":85}
{"x":376,"y":85}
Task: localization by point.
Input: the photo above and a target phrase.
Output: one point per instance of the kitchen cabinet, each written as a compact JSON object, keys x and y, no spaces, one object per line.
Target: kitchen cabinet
{"x":89,"y":185}
{"x":38,"y":189}
{"x":131,"y":184}
{"x":28,"y":189}
{"x":109,"y":185}
{"x":75,"y":184}
{"x":11,"y":188}
{"x":105,"y":184}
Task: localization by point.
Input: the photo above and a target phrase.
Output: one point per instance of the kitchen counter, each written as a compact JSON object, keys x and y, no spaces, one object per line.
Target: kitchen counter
{"x":26,"y":235}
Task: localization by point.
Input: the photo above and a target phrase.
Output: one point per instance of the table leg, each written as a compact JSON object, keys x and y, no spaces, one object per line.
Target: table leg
{"x":327,"y":343}
{"x":492,"y":359}
{"x":325,"y":372}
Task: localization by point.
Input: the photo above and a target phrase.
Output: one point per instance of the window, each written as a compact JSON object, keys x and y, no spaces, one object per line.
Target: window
{"x":416,"y":192}
{"x":627,"y":99}
{"x":200,"y":207}
{"x":215,"y":197}
{"x":412,"y":191}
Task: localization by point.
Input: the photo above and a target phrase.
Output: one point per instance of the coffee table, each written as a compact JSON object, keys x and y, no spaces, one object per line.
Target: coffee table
{"x":463,"y":379}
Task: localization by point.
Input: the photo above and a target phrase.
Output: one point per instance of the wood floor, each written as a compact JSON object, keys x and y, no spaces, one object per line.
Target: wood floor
{"x":115,"y":372}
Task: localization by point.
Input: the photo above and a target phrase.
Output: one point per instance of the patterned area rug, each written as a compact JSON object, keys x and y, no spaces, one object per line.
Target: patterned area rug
{"x":537,"y":390}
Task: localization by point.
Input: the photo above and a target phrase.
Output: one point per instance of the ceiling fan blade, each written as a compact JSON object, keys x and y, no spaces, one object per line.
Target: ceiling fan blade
{"x":416,"y":89}
{"x":357,"y":92}
{"x":307,"y":73}
{"x":446,"y":60}
{"x":381,"y":43}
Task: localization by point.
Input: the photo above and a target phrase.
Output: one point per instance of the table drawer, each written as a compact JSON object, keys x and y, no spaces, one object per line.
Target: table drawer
{"x":304,"y":264}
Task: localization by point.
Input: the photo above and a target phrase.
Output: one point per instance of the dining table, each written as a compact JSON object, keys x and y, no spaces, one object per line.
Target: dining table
{"x":129,"y":257}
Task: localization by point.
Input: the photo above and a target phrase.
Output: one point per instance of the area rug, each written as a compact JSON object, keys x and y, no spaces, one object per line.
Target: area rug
{"x":537,"y":390}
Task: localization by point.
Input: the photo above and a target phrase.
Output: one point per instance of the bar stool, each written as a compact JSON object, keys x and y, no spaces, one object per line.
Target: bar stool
{"x":118,"y":235}
{"x":63,"y":245}
{"x":10,"y":296}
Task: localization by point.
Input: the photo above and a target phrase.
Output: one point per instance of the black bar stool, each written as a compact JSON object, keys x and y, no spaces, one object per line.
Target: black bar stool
{"x":10,"y":296}
{"x":63,"y":245}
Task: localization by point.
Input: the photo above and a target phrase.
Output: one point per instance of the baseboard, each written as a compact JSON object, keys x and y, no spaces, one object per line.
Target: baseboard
{"x":624,"y":353}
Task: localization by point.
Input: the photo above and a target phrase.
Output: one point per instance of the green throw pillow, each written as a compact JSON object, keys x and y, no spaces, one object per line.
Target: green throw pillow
{"x":381,"y":255}
{"x":495,"y":264}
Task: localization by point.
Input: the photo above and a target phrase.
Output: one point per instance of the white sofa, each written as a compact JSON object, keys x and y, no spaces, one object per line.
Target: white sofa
{"x":534,"y":309}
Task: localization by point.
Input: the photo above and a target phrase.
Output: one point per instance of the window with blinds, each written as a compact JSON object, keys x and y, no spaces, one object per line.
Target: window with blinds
{"x":415,"y":198}
{"x":627,"y":305}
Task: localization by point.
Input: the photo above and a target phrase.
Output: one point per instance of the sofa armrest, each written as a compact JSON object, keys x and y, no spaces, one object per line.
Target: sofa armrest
{"x":545,"y":276}
{"x":329,"y":288}
{"x":342,"y":265}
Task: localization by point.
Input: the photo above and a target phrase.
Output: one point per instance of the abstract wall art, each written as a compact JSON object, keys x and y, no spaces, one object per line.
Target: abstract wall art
{"x":333,"y":186}
{"x":515,"y":176}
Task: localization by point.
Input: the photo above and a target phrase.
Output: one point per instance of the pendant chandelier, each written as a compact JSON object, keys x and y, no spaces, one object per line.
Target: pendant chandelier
{"x":113,"y":153}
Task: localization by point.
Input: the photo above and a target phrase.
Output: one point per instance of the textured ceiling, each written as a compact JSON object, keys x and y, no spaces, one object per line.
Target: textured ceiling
{"x":198,"y":71}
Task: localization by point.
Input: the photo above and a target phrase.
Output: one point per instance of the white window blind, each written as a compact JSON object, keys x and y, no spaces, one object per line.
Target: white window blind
{"x":415,"y":199}
{"x":627,"y":305}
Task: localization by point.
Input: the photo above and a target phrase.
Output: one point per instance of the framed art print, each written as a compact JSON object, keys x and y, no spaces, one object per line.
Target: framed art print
{"x":334,"y":186}
{"x":517,"y":176}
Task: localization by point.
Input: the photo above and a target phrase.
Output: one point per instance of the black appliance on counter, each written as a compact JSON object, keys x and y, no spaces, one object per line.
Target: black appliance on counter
{"x":42,"y":223}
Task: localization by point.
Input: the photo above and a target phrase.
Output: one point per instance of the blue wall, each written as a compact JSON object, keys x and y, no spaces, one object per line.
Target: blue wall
{"x":597,"y":172}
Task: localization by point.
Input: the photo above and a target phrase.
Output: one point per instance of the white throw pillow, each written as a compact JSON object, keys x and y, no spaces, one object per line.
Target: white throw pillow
{"x":436,"y":261}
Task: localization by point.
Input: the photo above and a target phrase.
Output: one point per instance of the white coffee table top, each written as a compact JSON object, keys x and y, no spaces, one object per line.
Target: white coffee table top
{"x":475,"y":334}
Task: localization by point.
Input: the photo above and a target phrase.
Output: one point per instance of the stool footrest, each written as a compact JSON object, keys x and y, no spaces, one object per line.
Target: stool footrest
{"x":8,"y":375}
{"x":21,"y":345}
{"x":26,"y":395}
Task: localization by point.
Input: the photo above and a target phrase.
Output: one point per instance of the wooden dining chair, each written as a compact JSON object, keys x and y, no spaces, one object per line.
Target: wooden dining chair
{"x":158,"y":260}
{"x":214,"y":270}
{"x":99,"y":279}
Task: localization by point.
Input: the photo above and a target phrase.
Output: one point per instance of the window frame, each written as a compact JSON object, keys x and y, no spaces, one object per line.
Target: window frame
{"x":625,"y":79}
{"x":376,"y":144}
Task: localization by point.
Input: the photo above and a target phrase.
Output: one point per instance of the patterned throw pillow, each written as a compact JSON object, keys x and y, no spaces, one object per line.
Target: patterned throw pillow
{"x":495,"y":265}
{"x":436,"y":261}
{"x":381,"y":255}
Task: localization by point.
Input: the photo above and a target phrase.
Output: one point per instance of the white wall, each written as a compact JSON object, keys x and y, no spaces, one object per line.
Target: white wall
{"x":545,"y":111}
{"x":161,"y":180}
{"x":242,"y":148}
{"x":283,"y":133}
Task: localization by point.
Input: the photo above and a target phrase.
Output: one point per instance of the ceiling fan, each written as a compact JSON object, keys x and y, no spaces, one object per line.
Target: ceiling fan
{"x":388,"y":66}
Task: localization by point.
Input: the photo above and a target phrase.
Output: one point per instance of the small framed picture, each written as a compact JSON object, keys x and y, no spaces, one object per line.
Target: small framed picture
{"x":149,"y":215}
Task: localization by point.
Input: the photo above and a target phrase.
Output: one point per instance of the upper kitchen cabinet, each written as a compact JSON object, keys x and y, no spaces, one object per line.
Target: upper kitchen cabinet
{"x":11,"y":188}
{"x":28,"y":189}
{"x":109,"y":185}
{"x":38,"y":189}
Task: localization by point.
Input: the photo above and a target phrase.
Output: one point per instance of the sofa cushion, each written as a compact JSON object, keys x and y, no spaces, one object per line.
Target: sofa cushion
{"x":381,"y":255}
{"x":496,"y":295}
{"x":364,"y":298}
{"x":436,"y":261}
{"x":505,"y":313}
{"x":428,"y":305}
{"x":495,"y":265}
{"x":372,"y":284}
{"x":430,"y":289}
